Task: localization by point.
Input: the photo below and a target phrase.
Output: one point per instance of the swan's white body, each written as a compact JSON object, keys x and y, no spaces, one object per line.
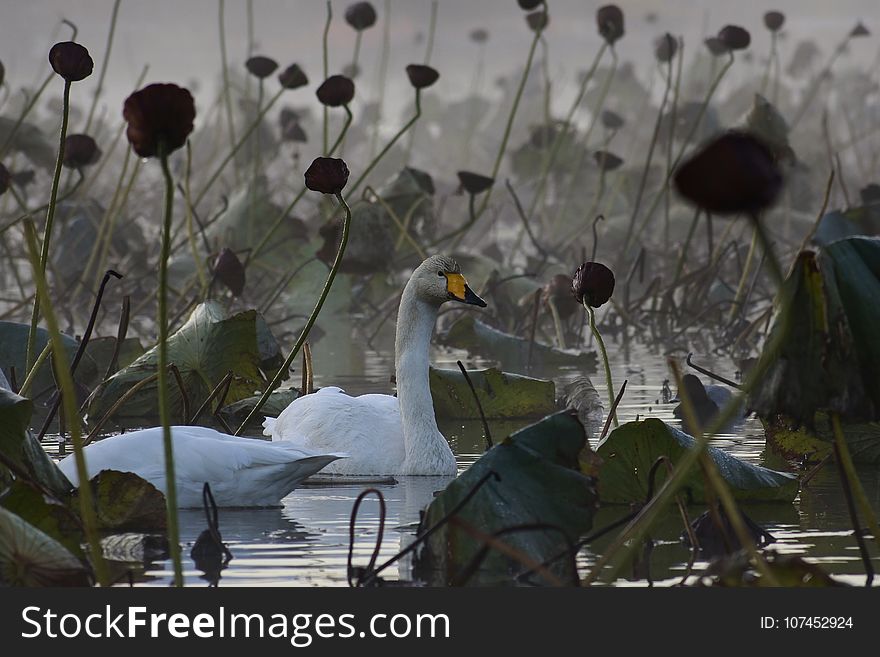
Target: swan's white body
{"x":385,"y":435}
{"x":241,"y":471}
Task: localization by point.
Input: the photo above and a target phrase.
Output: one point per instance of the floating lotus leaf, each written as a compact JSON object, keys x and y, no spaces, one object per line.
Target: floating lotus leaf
{"x":29,"y":557}
{"x":630,"y":451}
{"x":540,"y":482}
{"x":502,"y":395}
{"x":20,"y":452}
{"x":204,"y":349}
{"x":510,"y":351}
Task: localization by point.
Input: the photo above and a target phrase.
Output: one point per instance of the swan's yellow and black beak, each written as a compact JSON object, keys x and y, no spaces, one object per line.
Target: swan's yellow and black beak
{"x":458,"y":290}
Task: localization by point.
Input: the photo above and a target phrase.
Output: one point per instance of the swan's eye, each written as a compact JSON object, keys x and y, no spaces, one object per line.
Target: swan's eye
{"x":440,"y":273}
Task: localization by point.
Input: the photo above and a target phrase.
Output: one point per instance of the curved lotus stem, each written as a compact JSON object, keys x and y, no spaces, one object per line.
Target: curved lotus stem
{"x":276,"y":381}
{"x":50,"y":217}
{"x":164,"y":402}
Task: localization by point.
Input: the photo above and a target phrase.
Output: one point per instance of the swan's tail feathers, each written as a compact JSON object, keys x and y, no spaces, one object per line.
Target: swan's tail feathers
{"x":269,"y":426}
{"x":306,"y":467}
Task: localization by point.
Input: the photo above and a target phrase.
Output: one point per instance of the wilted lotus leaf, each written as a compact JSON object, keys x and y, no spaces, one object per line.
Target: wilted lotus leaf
{"x":501,"y":395}
{"x":826,"y":357}
{"x":29,"y":557}
{"x":765,"y":121}
{"x":21,"y":450}
{"x":48,"y":515}
{"x":630,"y":451}
{"x":539,"y":482}
{"x":800,"y":444}
{"x":411,"y":194}
{"x":280,"y":399}
{"x":204,"y":349}
{"x":511,"y":351}
{"x":370,"y":240}
{"x":28,"y":140}
{"x":126,"y":502}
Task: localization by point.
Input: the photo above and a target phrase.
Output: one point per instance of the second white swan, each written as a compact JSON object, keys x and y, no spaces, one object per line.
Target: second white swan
{"x":382,"y":434}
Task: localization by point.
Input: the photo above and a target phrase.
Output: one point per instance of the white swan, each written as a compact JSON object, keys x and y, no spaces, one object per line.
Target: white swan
{"x":242,"y":472}
{"x":385,"y":435}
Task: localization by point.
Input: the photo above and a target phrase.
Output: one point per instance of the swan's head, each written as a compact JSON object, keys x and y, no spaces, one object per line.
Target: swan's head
{"x":438,"y":279}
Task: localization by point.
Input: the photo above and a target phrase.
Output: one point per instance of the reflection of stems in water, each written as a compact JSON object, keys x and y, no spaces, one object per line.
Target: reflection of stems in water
{"x":50,"y":216}
{"x":637,"y":529}
{"x":282,"y":371}
{"x":68,"y":395}
{"x":718,"y":485}
{"x":380,"y":532}
{"x":601,"y":343}
{"x":845,"y":482}
{"x":440,"y":523}
{"x":846,"y":463}
{"x":164,"y":402}
{"x":486,"y":432}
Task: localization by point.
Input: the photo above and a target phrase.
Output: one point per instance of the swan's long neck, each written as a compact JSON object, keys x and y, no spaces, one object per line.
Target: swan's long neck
{"x":415,"y":325}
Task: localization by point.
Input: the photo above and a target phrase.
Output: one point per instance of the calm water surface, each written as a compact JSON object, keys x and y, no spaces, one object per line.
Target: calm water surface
{"x":306,"y":541}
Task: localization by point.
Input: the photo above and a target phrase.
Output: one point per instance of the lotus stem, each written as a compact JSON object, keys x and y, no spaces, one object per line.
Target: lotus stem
{"x":574,"y":178}
{"x":68,"y":395}
{"x":326,"y":67}
{"x":340,"y":140}
{"x":50,"y":217}
{"x":638,"y":527}
{"x":253,"y":126}
{"x":647,"y":168}
{"x":849,"y":468}
{"x":718,"y":485}
{"x":227,"y":96}
{"x":557,"y":323}
{"x":390,"y":143}
{"x":383,"y":73}
{"x":269,"y":233}
{"x":664,"y":188}
{"x":558,"y":137}
{"x":595,"y":331}
{"x":164,"y":402}
{"x":107,"y":49}
{"x":334,"y":269}
{"x":510,"y":117}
